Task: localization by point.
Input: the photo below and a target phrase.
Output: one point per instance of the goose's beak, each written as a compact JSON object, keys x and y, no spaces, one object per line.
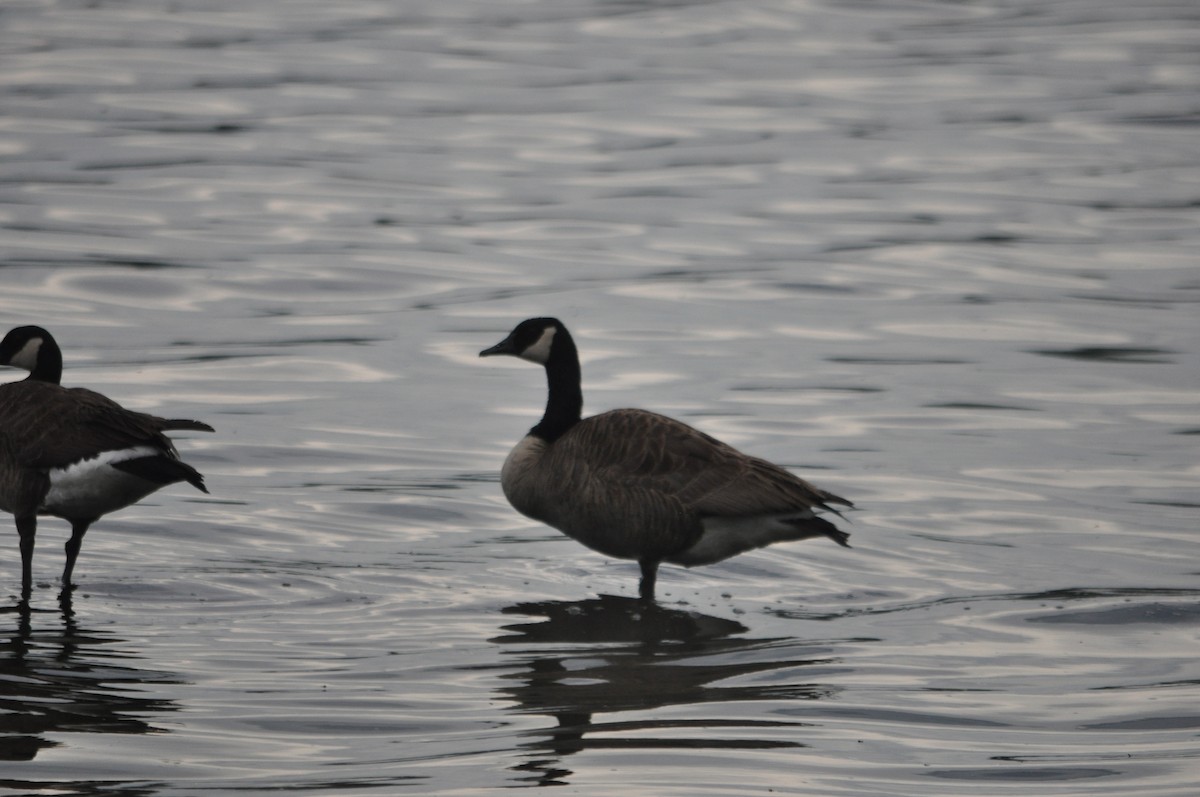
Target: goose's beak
{"x":503,"y":347}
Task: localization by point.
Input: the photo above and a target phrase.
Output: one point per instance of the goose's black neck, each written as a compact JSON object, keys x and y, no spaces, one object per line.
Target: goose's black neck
{"x":564,"y":404}
{"x":49,"y":364}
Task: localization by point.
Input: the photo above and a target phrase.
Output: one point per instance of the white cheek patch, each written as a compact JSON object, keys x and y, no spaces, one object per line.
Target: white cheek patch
{"x":539,"y":351}
{"x":28,"y":355}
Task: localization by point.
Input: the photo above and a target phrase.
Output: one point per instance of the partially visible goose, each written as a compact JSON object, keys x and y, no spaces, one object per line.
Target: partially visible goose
{"x":71,"y":452}
{"x":638,"y":485}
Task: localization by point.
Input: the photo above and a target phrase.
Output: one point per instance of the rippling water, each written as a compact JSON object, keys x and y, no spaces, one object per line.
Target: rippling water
{"x":938,"y":257}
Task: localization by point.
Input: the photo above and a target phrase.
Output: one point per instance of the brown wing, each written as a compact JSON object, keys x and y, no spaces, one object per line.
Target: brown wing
{"x":49,"y":426}
{"x":637,"y":449}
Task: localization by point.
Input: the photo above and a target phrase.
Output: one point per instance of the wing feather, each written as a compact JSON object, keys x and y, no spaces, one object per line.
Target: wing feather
{"x":635,"y":450}
{"x":49,"y":426}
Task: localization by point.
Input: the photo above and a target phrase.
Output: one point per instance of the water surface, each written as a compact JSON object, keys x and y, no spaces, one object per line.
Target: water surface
{"x":939,"y":258}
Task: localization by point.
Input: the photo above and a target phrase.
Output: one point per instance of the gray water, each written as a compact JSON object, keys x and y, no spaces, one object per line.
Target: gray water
{"x":937,"y":257}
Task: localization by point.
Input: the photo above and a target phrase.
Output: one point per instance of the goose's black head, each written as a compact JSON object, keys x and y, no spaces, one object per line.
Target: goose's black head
{"x":545,"y":341}
{"x":35,"y":350}
{"x":538,"y":340}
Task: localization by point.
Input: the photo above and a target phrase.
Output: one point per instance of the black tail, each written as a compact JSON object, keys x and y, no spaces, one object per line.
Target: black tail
{"x":180,"y":424}
{"x":839,"y":536}
{"x":163,"y":470}
{"x":817,"y":526}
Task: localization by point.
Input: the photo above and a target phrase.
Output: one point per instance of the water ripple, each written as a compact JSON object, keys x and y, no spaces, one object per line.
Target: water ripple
{"x":937,"y":257}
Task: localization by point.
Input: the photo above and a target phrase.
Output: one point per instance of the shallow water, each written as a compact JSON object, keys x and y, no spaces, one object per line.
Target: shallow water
{"x":940,"y":258}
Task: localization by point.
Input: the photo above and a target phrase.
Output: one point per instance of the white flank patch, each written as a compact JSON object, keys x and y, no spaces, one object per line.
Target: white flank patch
{"x":726,"y":537}
{"x":539,"y":351}
{"x":93,"y":487}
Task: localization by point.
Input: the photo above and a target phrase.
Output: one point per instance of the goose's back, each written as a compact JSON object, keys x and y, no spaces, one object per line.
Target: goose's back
{"x":705,"y":475}
{"x":49,"y":426}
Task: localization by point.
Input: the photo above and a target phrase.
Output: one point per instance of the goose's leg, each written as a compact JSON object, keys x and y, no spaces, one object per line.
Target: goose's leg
{"x":78,"y":529}
{"x":27,"y":529}
{"x":649,"y":576}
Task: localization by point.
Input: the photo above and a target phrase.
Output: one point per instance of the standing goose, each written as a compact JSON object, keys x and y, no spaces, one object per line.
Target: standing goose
{"x":638,"y":485}
{"x":73,"y":453}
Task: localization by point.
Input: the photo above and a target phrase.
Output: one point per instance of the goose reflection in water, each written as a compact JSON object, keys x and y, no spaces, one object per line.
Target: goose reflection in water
{"x":609,"y":655}
{"x":64,"y":680}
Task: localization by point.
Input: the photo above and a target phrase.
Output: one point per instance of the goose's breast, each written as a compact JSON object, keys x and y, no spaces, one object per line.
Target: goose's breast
{"x":523,"y":481}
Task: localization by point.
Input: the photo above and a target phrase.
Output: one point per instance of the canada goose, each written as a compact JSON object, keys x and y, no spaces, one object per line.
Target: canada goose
{"x":638,"y":485}
{"x":73,"y":453}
